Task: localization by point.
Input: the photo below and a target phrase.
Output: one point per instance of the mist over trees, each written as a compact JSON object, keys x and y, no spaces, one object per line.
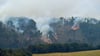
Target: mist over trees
{"x":18,"y":32}
{"x":67,"y":35}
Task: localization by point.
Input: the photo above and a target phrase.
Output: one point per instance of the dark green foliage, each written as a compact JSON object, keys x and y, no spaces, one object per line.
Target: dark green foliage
{"x":18,"y":32}
{"x":88,"y":32}
{"x":91,"y":32}
{"x":15,"y":52}
{"x":70,"y":47}
{"x":7,"y":36}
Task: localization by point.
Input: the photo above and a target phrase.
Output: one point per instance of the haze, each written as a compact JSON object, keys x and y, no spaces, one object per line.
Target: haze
{"x":50,"y":8}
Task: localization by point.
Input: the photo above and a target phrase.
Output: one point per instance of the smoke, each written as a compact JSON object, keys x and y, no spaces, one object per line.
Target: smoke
{"x":77,"y":21}
{"x":50,"y":8}
{"x":43,"y":24}
{"x":41,"y":10}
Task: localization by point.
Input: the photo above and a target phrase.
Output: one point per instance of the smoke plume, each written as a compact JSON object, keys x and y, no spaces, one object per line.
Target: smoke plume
{"x":40,"y":10}
{"x":50,"y":8}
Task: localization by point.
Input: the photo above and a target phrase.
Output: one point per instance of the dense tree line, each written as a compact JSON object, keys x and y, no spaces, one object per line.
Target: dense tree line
{"x":22,"y":33}
{"x":14,"y":52}
{"x":46,"y":48}
{"x":70,"y":47}
{"x":18,"y":32}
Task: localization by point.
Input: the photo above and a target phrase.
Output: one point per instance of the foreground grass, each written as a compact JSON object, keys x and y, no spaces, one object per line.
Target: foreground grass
{"x":82,"y":53}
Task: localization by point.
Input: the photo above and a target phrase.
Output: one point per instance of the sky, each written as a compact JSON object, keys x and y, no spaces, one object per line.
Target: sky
{"x":43,"y":10}
{"x":50,"y":8}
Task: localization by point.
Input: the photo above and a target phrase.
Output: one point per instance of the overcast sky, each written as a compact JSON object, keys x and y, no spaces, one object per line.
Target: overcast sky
{"x":50,"y":8}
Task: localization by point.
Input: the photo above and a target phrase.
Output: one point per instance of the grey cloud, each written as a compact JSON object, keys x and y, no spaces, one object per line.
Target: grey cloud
{"x":50,"y":8}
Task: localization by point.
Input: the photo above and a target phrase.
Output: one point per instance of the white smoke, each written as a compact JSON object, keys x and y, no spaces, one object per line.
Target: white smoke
{"x":43,"y":24}
{"x":50,"y":8}
{"x":42,"y":9}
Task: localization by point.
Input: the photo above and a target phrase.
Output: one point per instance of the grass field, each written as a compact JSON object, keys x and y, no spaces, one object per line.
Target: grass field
{"x":82,"y":53}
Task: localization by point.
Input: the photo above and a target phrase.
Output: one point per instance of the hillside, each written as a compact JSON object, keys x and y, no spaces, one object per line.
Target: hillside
{"x":75,"y":29}
{"x":82,"y":53}
{"x":27,"y":31}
